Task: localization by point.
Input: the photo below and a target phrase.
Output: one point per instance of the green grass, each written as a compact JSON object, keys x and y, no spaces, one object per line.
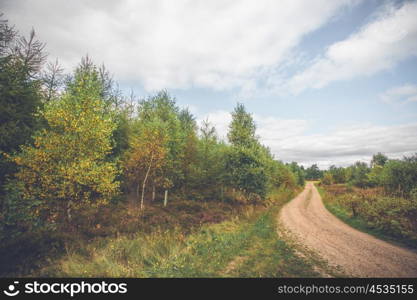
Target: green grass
{"x":359,"y":222}
{"x":269,"y":255}
{"x":245,"y":246}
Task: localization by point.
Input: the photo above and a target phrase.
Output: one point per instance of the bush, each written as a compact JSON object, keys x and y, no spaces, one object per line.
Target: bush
{"x":327,"y":179}
{"x":359,"y":175}
{"x":399,"y":177}
{"x":394,"y":216}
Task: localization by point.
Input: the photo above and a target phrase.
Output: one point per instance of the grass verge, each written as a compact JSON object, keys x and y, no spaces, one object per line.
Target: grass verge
{"x":245,"y":246}
{"x":361,"y":223}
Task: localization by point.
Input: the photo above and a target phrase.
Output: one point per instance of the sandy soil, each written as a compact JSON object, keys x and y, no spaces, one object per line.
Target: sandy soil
{"x":358,"y":254}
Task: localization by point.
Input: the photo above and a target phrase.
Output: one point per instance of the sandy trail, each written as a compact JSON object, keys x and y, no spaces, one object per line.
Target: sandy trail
{"x":357,"y":253}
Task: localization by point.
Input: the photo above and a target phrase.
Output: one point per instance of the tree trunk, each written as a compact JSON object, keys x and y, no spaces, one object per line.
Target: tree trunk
{"x":166,"y":198}
{"x":137,"y":190}
{"x":144,"y":183}
{"x":153,"y":192}
{"x":69,"y":210}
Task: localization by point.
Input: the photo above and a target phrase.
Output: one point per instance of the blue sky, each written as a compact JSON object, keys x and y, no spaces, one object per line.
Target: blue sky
{"x":328,"y":82}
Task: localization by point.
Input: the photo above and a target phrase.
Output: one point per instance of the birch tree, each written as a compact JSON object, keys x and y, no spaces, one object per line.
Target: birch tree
{"x":146,"y":157}
{"x":67,"y":167}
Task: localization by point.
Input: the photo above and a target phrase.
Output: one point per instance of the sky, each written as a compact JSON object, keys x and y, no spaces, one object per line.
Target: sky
{"x":327,"y":82}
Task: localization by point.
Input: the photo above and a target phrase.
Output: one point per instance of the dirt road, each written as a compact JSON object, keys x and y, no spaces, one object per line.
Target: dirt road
{"x":356,"y":253}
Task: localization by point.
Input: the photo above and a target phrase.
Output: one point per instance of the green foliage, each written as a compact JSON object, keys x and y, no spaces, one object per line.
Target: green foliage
{"x":209,"y":168}
{"x":338,"y":174}
{"x":327,"y":178}
{"x":385,"y":216}
{"x":298,"y":172}
{"x":146,"y":159}
{"x":17,"y":215}
{"x":358,"y":174}
{"x":400,"y":176}
{"x":242,"y":128}
{"x":20,"y":93}
{"x":246,"y":171}
{"x":313,"y":173}
{"x":162,"y":108}
{"x":250,"y":167}
{"x":189,"y":154}
{"x":67,"y":166}
{"x":280,"y":176}
{"x":378,"y":159}
{"x":375,"y":175}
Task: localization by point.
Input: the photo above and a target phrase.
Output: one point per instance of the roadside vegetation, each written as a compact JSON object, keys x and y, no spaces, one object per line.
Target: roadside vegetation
{"x":83,"y":166}
{"x":246,"y":245}
{"x":380,"y":199}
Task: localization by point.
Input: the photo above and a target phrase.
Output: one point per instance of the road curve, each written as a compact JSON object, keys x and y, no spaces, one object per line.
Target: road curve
{"x":358,"y":254}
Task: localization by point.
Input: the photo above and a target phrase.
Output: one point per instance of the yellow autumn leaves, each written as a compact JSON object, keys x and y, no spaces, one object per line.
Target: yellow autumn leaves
{"x":68,"y":160}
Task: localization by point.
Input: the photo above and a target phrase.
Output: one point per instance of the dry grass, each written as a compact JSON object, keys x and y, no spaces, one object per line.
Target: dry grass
{"x":211,"y":250}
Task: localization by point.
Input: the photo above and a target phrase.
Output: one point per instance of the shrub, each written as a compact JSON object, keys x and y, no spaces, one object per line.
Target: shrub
{"x":327,"y":178}
{"x":400,"y":176}
{"x":394,"y":216}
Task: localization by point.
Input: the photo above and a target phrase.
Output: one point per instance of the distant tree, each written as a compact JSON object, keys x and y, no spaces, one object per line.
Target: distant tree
{"x":327,"y":178}
{"x":298,"y":172}
{"x":400,"y":176}
{"x":359,"y":175}
{"x":375,"y":175}
{"x":242,"y":128}
{"x":378,"y":159}
{"x":188,"y":155}
{"x":338,"y":174}
{"x":281,"y":176}
{"x":313,"y":173}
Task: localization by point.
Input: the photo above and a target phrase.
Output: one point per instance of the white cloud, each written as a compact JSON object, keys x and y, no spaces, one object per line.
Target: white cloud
{"x":402,"y":94}
{"x":378,"y":46}
{"x":288,"y":140}
{"x":175,"y":44}
{"x":270,"y":129}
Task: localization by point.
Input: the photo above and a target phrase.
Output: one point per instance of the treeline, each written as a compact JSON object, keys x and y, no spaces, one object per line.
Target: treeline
{"x":398,"y":177}
{"x":73,"y":141}
{"x":302,"y":174}
{"x":380,"y":198}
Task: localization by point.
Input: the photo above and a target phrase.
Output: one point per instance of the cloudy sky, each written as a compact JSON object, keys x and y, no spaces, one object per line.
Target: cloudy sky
{"x":328,"y":82}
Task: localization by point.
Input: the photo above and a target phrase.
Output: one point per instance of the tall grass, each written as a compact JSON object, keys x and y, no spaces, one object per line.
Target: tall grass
{"x":24,"y":255}
{"x":244,"y":246}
